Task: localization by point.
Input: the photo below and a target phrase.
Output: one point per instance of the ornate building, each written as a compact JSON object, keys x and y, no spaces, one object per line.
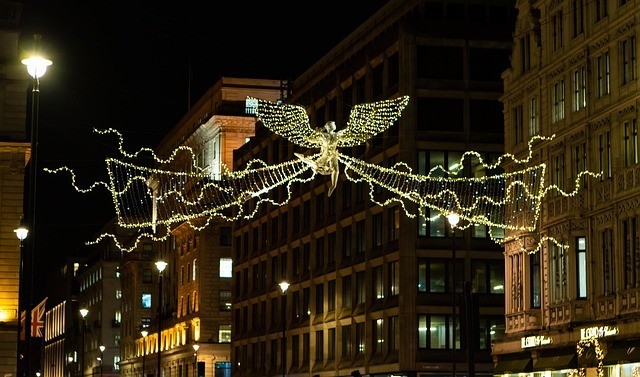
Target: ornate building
{"x":573,"y":76}
{"x":371,"y":289}
{"x":196,"y":284}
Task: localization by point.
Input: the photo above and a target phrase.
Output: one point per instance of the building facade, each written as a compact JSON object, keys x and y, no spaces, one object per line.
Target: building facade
{"x":371,"y":289}
{"x":574,"y":77}
{"x":196,"y":285}
{"x":14,"y":155}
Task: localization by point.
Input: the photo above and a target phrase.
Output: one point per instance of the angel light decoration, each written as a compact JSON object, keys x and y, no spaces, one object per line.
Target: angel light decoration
{"x":145,"y":198}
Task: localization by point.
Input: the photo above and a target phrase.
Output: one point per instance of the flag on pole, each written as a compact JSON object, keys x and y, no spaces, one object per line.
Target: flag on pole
{"x":37,"y":320}
{"x":23,"y":318}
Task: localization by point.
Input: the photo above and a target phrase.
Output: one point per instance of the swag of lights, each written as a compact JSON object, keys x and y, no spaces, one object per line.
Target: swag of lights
{"x":177,"y":190}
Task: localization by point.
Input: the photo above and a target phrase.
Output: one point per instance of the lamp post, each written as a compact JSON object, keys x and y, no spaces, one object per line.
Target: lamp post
{"x":453,"y":219}
{"x":161,"y":265}
{"x":36,"y":67}
{"x":83,"y":313}
{"x":196,"y":347}
{"x":283,"y":287}
{"x":70,"y":364}
{"x":21,"y":232}
{"x":102,"y":348}
{"x":144,"y":334}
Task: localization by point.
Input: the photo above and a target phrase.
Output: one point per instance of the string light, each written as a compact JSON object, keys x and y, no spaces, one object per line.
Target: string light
{"x":147,"y":197}
{"x":591,"y":342}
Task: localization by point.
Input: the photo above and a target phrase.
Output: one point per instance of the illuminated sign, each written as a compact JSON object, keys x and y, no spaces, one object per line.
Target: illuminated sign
{"x":598,"y":332}
{"x":535,"y":341}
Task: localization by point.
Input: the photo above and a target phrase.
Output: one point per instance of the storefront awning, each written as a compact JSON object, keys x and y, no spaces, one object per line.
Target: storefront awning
{"x":556,"y":359}
{"x":621,"y":352}
{"x":513,"y":363}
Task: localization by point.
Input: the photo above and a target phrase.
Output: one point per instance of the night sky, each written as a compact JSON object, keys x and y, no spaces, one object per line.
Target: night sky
{"x":125,"y":65}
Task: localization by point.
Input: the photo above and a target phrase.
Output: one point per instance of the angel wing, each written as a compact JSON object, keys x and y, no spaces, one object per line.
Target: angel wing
{"x":288,"y":121}
{"x":369,"y":119}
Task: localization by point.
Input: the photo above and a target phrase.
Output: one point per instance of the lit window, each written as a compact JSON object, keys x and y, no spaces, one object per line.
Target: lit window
{"x":224,"y":334}
{"x":146,"y":301}
{"x":226,"y":267}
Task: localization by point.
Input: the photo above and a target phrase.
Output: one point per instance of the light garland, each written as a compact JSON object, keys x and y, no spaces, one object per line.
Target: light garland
{"x":147,"y":197}
{"x":591,"y":342}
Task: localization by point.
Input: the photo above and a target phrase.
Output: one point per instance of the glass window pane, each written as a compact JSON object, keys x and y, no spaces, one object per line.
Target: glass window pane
{"x":436,"y":224}
{"x":226,"y":267}
{"x":422,"y":331}
{"x":496,"y":277}
{"x":422,"y":276}
{"x":437,"y":280}
{"x":438,"y":332}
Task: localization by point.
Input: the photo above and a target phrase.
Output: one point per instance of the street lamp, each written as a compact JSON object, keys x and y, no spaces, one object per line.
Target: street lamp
{"x":21,"y":232}
{"x":283,"y":287}
{"x":83,"y":313}
{"x":453,"y":219}
{"x":144,"y":334}
{"x":102,"y":348}
{"x":36,"y":67}
{"x":161,"y":265}
{"x":196,"y":347}
{"x":70,"y":362}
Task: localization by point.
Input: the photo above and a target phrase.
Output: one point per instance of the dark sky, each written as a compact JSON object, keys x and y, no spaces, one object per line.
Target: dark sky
{"x":125,"y":64}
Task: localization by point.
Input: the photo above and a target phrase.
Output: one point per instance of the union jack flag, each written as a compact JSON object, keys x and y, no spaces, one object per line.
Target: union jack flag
{"x":37,"y":320}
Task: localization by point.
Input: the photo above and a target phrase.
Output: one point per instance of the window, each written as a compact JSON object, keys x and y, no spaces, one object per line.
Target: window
{"x":516,"y":283}
{"x":346,"y":292}
{"x":534,"y":127}
{"x":194,"y":270}
{"x":601,"y":9}
{"x":331,"y":343}
{"x":360,"y":339}
{"x":518,"y":126}
{"x":488,"y":276}
{"x":525,"y":53}
{"x":377,"y":229}
{"x":224,"y":334}
{"x":118,"y":294}
{"x":378,"y":284}
{"x":628,"y":58}
{"x":432,"y":276}
{"x":557,"y":163}
{"x":320,"y":298}
{"x":331,"y":248}
{"x":557,"y":101}
{"x":226,"y":267}
{"x":579,"y":157}
{"x":536,"y":289}
{"x":394,"y":278}
{"x":606,"y":239}
{"x":394,"y":224}
{"x":305,"y":348}
{"x":559,"y":273}
{"x":319,"y":345}
{"x":603,"y":73}
{"x":146,"y":275}
{"x":489,"y":328}
{"x":146,"y":301}
{"x":434,"y":331}
{"x":579,"y":89}
{"x":346,"y":341}
{"x":225,"y":301}
{"x":331,"y":295}
{"x":225,"y":236}
{"x":319,"y":252}
{"x":557,"y":30}
{"x":360,"y":237}
{"x":630,"y":129}
{"x":116,"y":362}
{"x":581,"y":268}
{"x":145,"y":322}
{"x":378,"y":335}
{"x":360,"y":287}
{"x":604,"y":154}
{"x":117,"y":316}
{"x":394,"y":333}
{"x":438,"y":163}
{"x":346,"y":242}
{"x":631,"y":253}
{"x":577,"y":7}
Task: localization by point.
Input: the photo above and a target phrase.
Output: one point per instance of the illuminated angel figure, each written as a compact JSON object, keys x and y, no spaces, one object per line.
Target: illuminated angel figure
{"x":365,"y":121}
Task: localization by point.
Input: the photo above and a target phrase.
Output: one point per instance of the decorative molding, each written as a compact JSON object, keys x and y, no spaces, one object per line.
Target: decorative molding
{"x":554,"y":4}
{"x":599,"y":44}
{"x":576,"y":136}
{"x":606,"y":218}
{"x":602,"y":122}
{"x":578,"y":224}
{"x":531,"y":88}
{"x":628,"y":206}
{"x":627,"y":26}
{"x":579,"y":57}
{"x":559,"y":231}
{"x":631,"y":109}
{"x":557,"y":71}
{"x":556,"y":147}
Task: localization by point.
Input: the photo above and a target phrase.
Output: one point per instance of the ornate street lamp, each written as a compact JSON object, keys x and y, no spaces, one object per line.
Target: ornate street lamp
{"x":284,"y":285}
{"x":453,"y":219}
{"x":144,"y":334}
{"x":83,"y":313}
{"x":161,"y":265}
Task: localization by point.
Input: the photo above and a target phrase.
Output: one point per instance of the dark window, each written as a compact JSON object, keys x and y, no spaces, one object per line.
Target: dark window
{"x":487,"y":64}
{"x":455,"y":11}
{"x":434,"y":11}
{"x":346,"y":292}
{"x":319,"y":298}
{"x":439,"y":62}
{"x":440,"y":114}
{"x":377,"y":77}
{"x":486,"y":116}
{"x":394,"y":70}
{"x":331,"y":295}
{"x":225,"y":236}
{"x":146,"y":275}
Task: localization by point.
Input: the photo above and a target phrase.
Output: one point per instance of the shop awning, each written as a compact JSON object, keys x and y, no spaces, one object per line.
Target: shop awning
{"x":588,"y":358}
{"x":556,"y":359}
{"x":625,"y":351}
{"x":513,"y":363}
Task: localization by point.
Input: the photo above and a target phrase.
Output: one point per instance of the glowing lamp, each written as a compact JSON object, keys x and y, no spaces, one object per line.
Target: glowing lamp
{"x":36,"y":66}
{"x":284,"y":286}
{"x":161,"y":265}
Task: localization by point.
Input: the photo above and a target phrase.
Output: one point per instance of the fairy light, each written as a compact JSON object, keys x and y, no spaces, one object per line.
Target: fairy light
{"x":591,"y":342}
{"x":146,"y":197}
